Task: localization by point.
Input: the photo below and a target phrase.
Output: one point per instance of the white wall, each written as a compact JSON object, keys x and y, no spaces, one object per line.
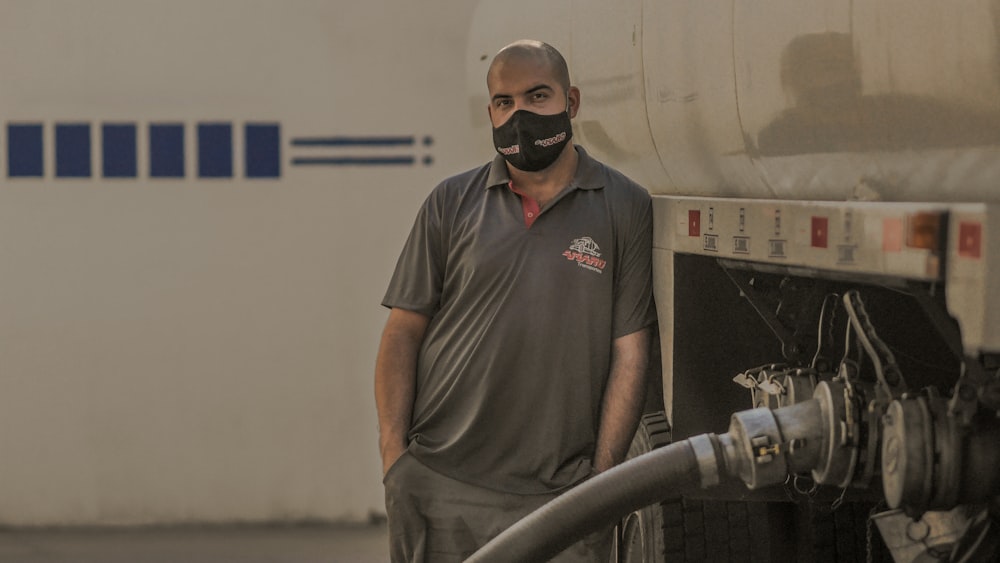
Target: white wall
{"x":201,"y":350}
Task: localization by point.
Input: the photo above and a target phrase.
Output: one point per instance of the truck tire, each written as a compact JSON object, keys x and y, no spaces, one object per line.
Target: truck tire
{"x":846,"y":534}
{"x":713,"y":530}
{"x":641,"y":537}
{"x":689,"y":530}
{"x":681,"y":529}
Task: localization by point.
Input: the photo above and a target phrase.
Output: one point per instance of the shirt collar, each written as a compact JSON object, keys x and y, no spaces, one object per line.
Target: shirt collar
{"x":588,"y":172}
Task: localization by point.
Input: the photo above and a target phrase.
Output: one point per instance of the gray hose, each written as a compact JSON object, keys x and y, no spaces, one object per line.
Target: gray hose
{"x":658,"y":475}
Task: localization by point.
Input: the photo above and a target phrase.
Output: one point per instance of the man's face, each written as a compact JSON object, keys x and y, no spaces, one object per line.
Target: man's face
{"x":529,"y":84}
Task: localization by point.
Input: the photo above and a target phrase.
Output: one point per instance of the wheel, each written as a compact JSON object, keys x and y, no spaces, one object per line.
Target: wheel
{"x":641,"y":537}
{"x":681,"y":529}
{"x":845,"y":534}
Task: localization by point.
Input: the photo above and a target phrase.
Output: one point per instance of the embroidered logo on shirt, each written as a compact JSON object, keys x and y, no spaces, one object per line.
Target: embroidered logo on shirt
{"x":585,"y":252}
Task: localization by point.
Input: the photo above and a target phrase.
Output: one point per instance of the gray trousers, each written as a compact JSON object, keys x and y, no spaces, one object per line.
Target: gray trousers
{"x":436,"y":519}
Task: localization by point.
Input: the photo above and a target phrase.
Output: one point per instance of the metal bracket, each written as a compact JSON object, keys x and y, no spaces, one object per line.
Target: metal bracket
{"x":939,"y":317}
{"x":974,"y":384}
{"x":790,"y":347}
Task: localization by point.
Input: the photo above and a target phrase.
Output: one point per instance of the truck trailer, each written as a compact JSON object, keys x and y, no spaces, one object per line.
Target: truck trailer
{"x":824,"y":177}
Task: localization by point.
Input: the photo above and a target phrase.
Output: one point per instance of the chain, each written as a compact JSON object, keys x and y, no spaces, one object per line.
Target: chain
{"x":840,"y":500}
{"x":869,"y":526}
{"x":824,"y":332}
{"x":868,"y":538}
{"x":887,"y":373}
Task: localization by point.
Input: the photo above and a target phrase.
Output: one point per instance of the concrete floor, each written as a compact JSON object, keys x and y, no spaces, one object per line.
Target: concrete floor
{"x":248,"y":544}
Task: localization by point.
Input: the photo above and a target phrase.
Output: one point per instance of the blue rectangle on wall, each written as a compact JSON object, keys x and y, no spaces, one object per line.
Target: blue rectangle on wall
{"x":72,"y":150}
{"x":263,"y":150}
{"x":118,"y":150}
{"x":24,"y":150}
{"x":166,"y":150}
{"x":215,"y":150}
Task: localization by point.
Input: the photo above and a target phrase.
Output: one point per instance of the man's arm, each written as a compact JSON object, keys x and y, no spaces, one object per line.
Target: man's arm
{"x":624,"y":397}
{"x":396,"y":380}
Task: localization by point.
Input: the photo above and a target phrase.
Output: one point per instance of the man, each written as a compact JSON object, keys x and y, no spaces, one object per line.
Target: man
{"x":512,"y":365}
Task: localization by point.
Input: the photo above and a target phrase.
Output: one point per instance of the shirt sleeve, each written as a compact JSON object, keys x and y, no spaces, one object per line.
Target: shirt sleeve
{"x":418,"y":278}
{"x":633,"y":292}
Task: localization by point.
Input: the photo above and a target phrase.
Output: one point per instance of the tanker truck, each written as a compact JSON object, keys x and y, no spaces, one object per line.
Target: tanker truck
{"x":825,"y":191}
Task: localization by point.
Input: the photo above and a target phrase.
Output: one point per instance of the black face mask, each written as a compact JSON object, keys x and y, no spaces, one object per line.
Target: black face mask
{"x":532,"y":142}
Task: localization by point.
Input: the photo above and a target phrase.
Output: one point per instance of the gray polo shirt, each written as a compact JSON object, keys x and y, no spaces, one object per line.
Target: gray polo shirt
{"x":513,"y":365}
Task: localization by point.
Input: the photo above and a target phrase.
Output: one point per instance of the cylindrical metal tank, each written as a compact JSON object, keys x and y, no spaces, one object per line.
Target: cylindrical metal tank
{"x":897,"y":100}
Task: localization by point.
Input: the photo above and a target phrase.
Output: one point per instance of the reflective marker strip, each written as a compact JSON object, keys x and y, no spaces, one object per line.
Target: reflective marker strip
{"x":970,"y":239}
{"x":694,"y":223}
{"x":892,"y":234}
{"x":820,"y":231}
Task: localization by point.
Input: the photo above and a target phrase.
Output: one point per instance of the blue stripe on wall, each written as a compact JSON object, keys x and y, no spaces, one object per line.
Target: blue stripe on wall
{"x":166,"y":150}
{"x":24,"y":150}
{"x":356,"y":161}
{"x":72,"y":150}
{"x":215,"y":150}
{"x":353,"y":141}
{"x":118,"y":150}
{"x":263,"y":150}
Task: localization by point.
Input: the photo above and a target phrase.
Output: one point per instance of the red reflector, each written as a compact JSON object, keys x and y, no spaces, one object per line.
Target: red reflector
{"x":923,"y":230}
{"x":820,"y":231}
{"x":970,"y":239}
{"x":892,"y":234}
{"x":694,"y":223}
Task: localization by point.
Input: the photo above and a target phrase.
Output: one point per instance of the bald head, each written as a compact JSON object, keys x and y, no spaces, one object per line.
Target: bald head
{"x":527,"y":50}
